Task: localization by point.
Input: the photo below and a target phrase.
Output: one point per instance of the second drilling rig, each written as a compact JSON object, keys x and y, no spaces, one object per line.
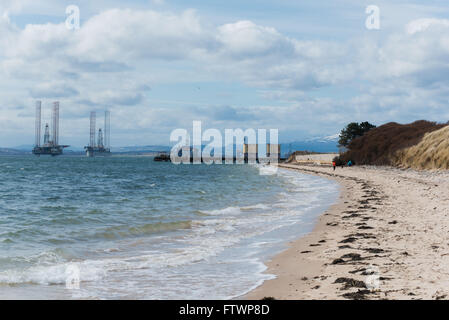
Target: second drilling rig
{"x":101,"y":145}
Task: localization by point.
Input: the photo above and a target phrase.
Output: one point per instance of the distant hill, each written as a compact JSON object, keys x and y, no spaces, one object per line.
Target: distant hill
{"x":9,"y":151}
{"x":140,"y":149}
{"x":327,"y":144}
{"x":24,"y":147}
{"x":382,"y":145}
{"x":319,"y":144}
{"x":322,"y":145}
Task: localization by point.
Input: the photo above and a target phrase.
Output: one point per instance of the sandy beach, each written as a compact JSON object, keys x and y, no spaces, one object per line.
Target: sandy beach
{"x":386,"y":238}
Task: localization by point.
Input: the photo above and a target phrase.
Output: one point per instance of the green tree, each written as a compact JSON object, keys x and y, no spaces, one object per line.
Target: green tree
{"x":352,"y":131}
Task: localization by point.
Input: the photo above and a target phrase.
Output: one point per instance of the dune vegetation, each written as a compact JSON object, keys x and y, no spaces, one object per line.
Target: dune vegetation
{"x":432,"y":152}
{"x":406,"y":145}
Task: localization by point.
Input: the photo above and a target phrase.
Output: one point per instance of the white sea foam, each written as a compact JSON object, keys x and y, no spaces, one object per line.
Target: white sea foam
{"x":225,"y":211}
{"x":260,"y":206}
{"x":52,"y":274}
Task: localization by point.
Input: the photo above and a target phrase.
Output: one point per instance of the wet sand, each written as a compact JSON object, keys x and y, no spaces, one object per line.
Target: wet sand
{"x":386,"y":238}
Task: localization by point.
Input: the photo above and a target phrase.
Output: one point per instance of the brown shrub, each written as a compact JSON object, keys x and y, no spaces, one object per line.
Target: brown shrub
{"x":379,"y":146}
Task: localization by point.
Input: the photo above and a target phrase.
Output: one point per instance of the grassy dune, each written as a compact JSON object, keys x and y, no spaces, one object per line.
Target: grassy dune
{"x":432,"y":152}
{"x":381,"y":145}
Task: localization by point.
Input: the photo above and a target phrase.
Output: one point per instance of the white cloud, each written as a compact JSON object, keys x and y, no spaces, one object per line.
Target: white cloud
{"x":117,"y":54}
{"x":245,"y":40}
{"x":129,"y":34}
{"x":420,"y":55}
{"x":424,"y":24}
{"x":12,"y":6}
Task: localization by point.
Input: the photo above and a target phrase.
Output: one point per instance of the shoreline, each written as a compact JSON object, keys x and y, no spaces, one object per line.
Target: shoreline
{"x":375,"y":243}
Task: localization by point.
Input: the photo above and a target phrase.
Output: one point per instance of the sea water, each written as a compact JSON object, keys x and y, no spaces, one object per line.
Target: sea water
{"x":132,"y":228}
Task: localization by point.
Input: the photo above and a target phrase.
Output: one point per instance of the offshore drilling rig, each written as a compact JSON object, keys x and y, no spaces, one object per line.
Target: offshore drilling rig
{"x":51,"y":143}
{"x":100,"y":146}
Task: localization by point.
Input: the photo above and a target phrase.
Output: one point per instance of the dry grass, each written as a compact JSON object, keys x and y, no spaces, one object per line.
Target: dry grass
{"x":380,"y":146}
{"x":432,"y":152}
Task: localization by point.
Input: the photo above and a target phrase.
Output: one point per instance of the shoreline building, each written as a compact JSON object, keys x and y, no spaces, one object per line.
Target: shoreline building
{"x":99,"y":144}
{"x":251,"y":153}
{"x":51,"y":144}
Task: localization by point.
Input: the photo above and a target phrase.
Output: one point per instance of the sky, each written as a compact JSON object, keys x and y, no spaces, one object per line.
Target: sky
{"x":306,"y":68}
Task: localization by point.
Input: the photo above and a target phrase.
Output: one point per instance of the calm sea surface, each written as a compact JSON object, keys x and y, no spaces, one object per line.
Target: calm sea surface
{"x":132,"y":228}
